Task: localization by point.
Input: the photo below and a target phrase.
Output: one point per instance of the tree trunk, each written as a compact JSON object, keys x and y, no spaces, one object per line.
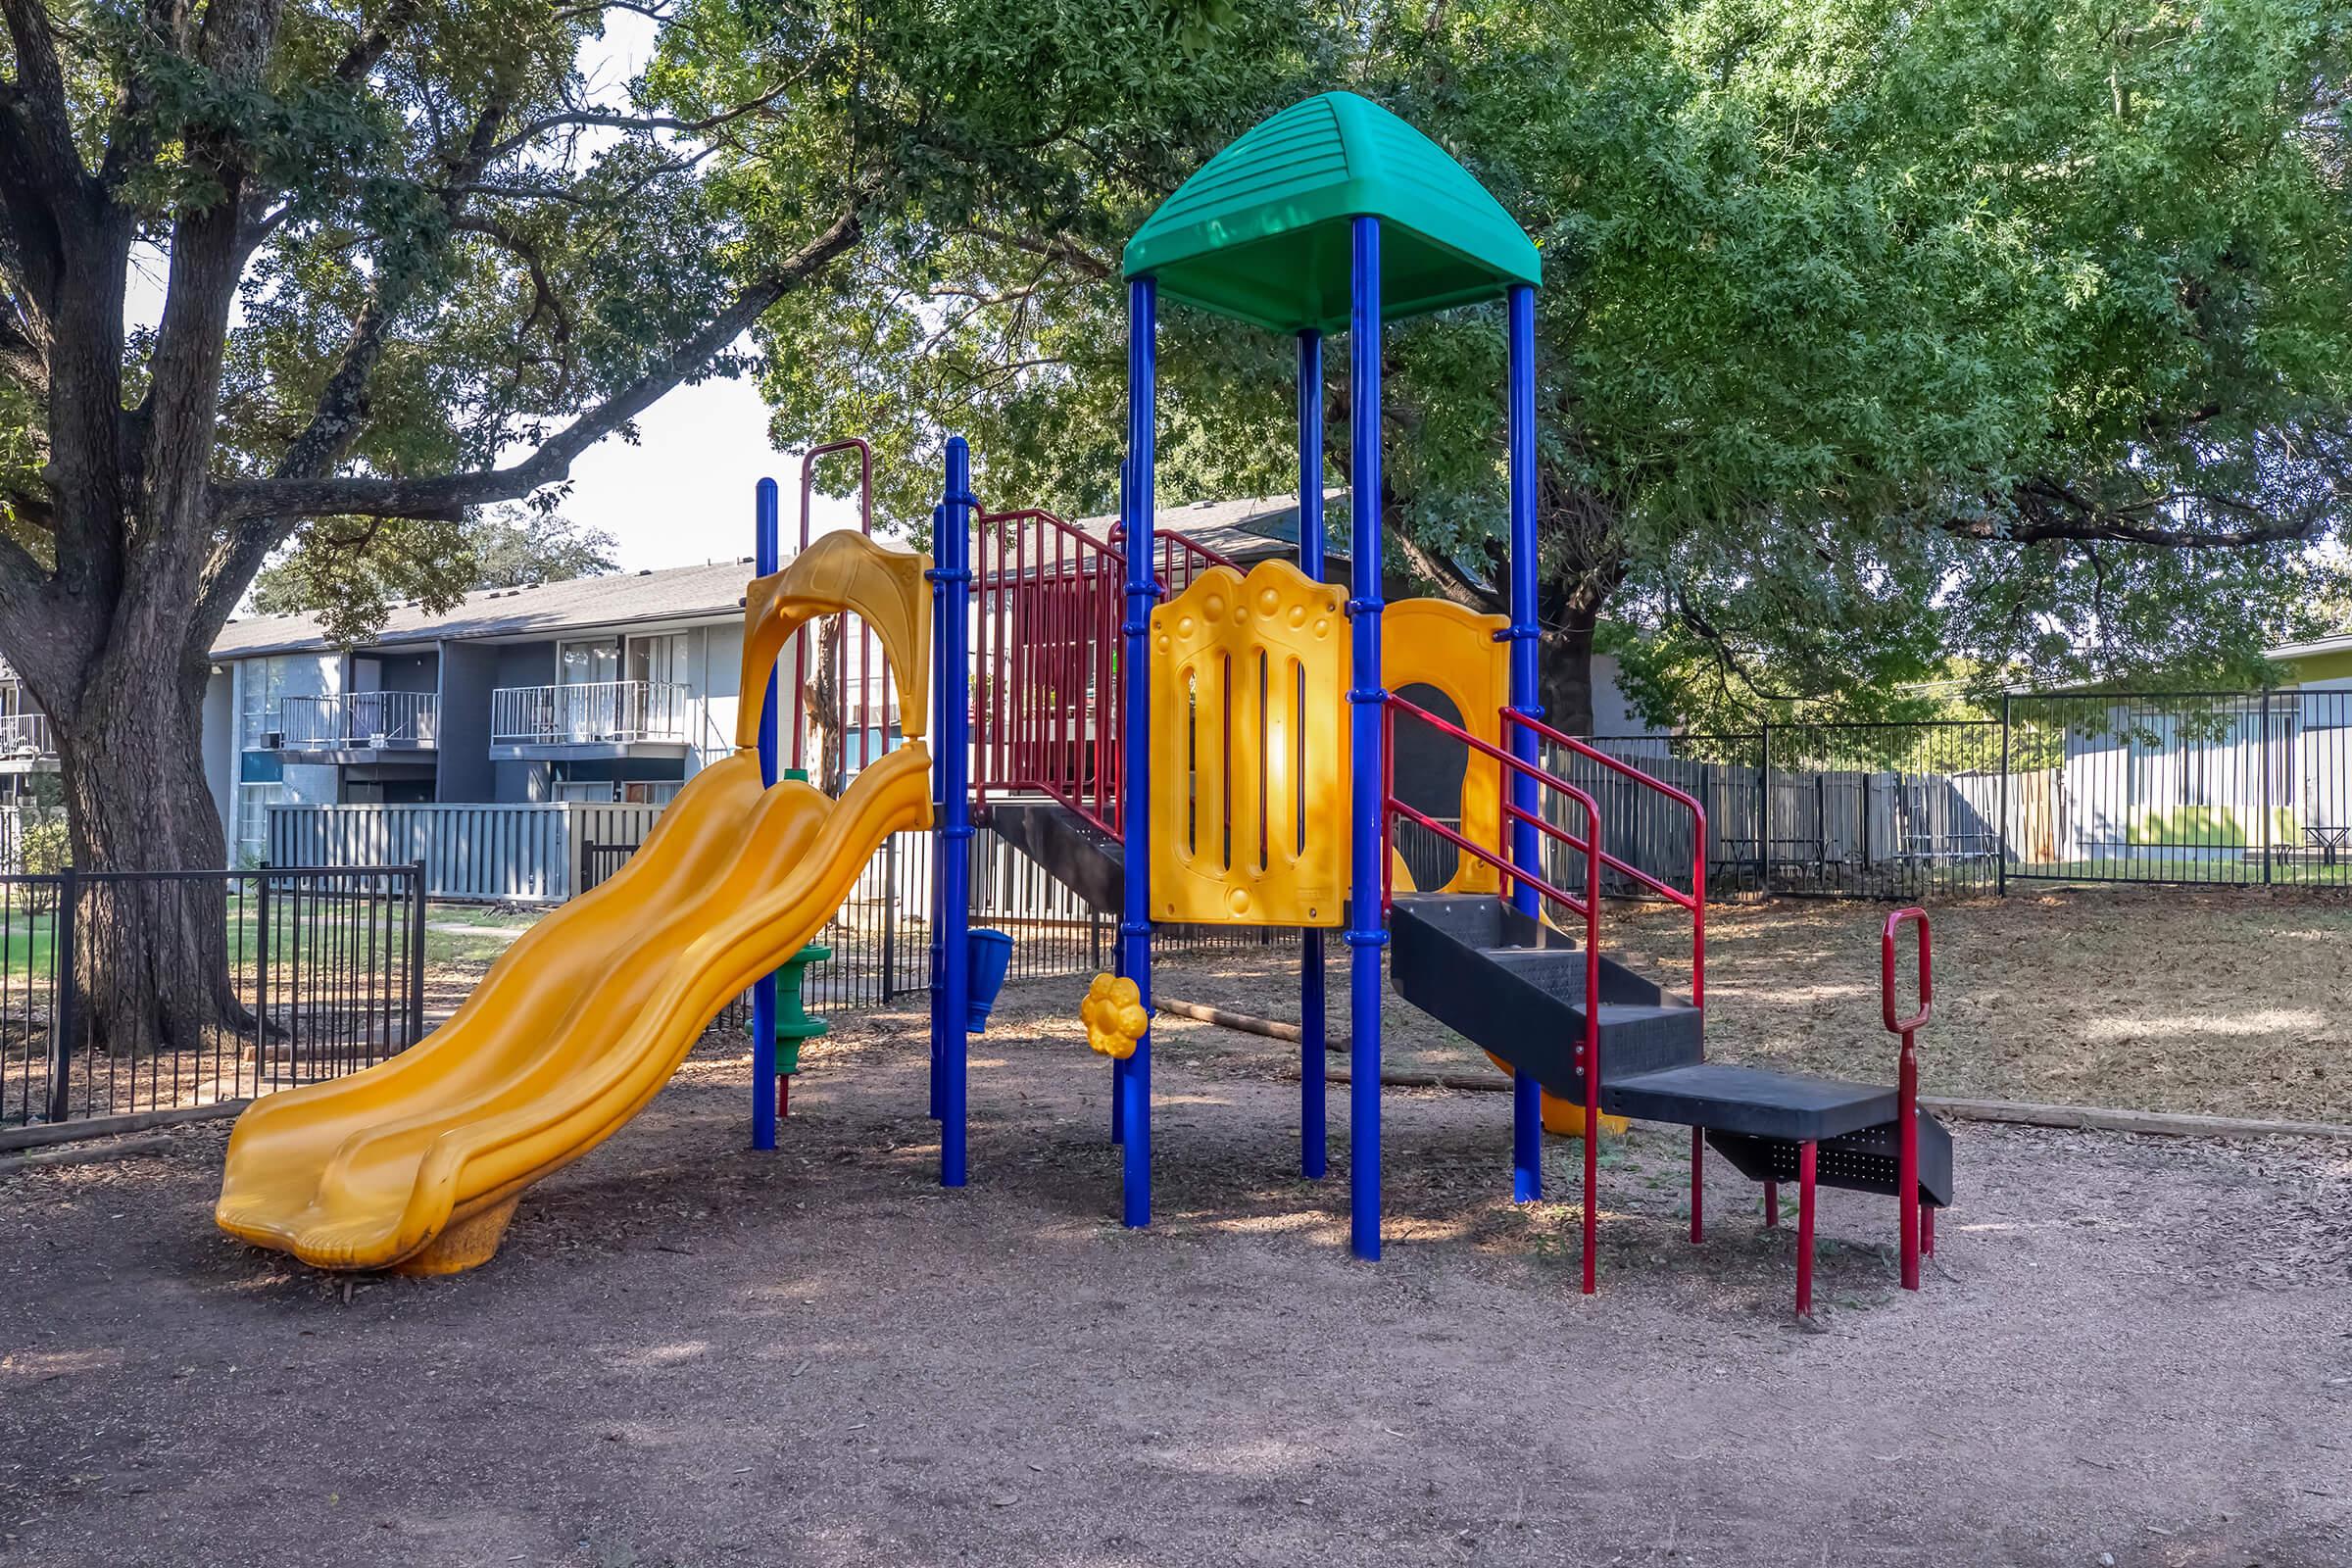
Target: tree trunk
{"x":1564,"y":679}
{"x":153,"y":951}
{"x":827,"y":715}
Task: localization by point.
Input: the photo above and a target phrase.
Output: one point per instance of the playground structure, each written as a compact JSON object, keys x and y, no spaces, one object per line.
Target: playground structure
{"x":1175,"y":740}
{"x":1206,"y":788}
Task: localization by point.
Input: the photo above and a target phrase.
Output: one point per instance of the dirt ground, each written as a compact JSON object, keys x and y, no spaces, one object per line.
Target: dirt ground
{"x":2135,"y":1350}
{"x":2234,"y":1004}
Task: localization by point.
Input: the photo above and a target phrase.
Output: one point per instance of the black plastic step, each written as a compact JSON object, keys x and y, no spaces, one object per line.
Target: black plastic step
{"x":1753,"y":1100}
{"x":1866,"y":1161}
{"x":1089,"y":861}
{"x":1516,"y":988}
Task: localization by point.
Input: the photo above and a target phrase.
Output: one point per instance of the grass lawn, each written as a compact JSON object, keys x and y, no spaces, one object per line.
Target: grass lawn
{"x":454,"y":933}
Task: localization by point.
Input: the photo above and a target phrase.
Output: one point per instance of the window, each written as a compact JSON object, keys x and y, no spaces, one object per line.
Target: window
{"x":658,"y":659}
{"x":264,"y":682}
{"x":254,"y":801}
{"x":866,"y":747}
{"x":584,"y":663}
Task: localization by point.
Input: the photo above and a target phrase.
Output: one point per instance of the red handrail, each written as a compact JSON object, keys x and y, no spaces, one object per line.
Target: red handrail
{"x":1045,"y":711}
{"x":1696,"y":901}
{"x":1391,"y":808}
{"x":1048,"y":711}
{"x":1918,"y":1222}
{"x":1182,"y":558}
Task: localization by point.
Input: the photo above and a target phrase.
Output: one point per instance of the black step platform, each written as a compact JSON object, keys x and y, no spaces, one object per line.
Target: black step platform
{"x":1753,"y":1100}
{"x":1089,"y":861}
{"x":1865,"y":1161}
{"x":1517,"y":988}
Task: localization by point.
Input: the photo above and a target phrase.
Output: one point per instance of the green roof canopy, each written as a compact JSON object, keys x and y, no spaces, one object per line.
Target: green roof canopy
{"x":1261,"y":231}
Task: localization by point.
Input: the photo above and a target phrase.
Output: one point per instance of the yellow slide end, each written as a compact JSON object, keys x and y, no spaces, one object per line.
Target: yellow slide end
{"x":416,"y":1164}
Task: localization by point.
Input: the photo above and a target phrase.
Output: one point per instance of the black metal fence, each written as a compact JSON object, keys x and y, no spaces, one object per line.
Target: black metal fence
{"x":125,"y":994}
{"x":2226,"y":789}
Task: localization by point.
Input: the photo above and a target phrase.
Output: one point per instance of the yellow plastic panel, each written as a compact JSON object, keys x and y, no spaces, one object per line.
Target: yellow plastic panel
{"x":1435,"y":642}
{"x":1250,"y":750}
{"x":841,"y":572}
{"x":415,"y":1163}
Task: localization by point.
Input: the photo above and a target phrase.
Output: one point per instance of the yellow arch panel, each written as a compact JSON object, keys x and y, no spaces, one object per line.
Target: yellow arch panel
{"x":1249,"y":751}
{"x":1435,"y":642}
{"x":841,"y":572}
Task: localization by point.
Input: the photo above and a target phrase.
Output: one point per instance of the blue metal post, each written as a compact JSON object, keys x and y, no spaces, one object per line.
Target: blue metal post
{"x":1135,"y":790}
{"x":766,"y":549}
{"x":940,"y":705}
{"x":952,"y":590}
{"x":1527,"y":1098}
{"x":1366,"y":934}
{"x":1314,"y":1094}
{"x":1118,"y":949}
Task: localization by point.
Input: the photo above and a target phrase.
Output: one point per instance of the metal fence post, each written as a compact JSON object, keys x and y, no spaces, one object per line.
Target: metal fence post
{"x":261,"y":971}
{"x":2000,"y":839}
{"x":415,"y":951}
{"x":889,"y":916}
{"x":2262,"y":763}
{"x":62,"y":1013}
{"x":1764,"y":807}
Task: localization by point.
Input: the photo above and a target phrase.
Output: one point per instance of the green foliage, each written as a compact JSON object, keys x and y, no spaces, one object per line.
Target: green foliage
{"x":2005,"y":337}
{"x":352,"y":572}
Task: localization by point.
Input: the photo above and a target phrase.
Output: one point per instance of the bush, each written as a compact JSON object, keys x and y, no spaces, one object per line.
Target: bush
{"x":47,"y":848}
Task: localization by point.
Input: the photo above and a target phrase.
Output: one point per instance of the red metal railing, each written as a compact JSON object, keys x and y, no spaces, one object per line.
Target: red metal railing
{"x":1587,"y":908}
{"x":1045,"y":701}
{"x":1918,"y":1220}
{"x":1048,"y":708}
{"x":1694,"y":901}
{"x":1182,"y":558}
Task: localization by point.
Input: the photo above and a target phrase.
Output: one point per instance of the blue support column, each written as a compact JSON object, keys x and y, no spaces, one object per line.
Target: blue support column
{"x":1118,"y":948}
{"x":939,"y":710}
{"x":766,"y":549}
{"x":1527,"y":1099}
{"x":1313,"y":1093}
{"x":1135,"y":790}
{"x":952,"y":590}
{"x":1366,"y":931}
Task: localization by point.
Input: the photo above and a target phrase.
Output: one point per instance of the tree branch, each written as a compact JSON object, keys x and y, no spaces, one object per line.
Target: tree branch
{"x":37,"y":105}
{"x":613,"y":120}
{"x":442,"y":496}
{"x":1449,"y":579}
{"x":2056,"y":514}
{"x":1053,"y":247}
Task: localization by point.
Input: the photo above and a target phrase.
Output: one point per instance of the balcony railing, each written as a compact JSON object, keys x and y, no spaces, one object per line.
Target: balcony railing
{"x":376,"y":721}
{"x":24,"y":736}
{"x":591,"y":712}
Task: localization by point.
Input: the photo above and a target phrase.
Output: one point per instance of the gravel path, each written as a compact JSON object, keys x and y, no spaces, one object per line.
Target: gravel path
{"x":690,"y":1355}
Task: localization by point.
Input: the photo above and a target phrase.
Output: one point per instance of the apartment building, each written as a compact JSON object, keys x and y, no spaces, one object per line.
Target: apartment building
{"x":601,"y":689}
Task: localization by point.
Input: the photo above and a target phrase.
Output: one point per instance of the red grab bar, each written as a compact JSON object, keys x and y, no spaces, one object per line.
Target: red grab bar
{"x":1696,"y":901}
{"x":1918,"y":1221}
{"x":1588,"y":906}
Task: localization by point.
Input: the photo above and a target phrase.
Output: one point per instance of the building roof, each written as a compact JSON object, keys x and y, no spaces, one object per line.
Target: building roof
{"x":2340,"y":643}
{"x":1263,"y":231}
{"x":678,"y":593}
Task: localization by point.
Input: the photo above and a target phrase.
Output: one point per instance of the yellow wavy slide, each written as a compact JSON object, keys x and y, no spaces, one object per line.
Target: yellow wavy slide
{"x":417,"y":1162}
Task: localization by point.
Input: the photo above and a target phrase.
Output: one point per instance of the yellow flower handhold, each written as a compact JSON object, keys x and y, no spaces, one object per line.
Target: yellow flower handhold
{"x":1113,"y":1015}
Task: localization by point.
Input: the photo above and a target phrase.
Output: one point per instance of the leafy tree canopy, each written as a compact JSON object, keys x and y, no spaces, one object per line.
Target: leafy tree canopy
{"x":2006,"y":337}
